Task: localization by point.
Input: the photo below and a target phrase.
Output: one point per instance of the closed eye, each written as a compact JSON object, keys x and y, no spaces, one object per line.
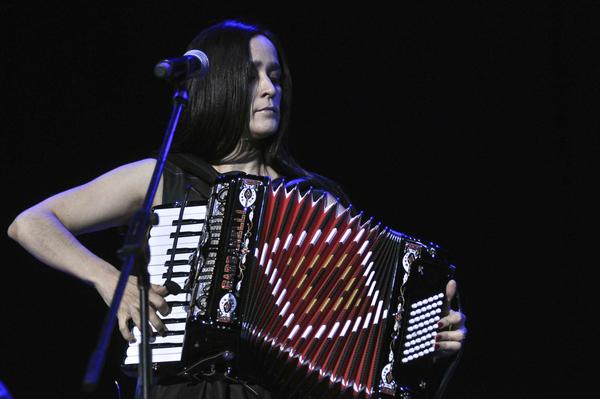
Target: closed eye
{"x":275,"y":77}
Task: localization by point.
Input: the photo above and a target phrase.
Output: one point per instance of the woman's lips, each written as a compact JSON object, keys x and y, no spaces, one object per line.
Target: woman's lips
{"x":268,"y":109}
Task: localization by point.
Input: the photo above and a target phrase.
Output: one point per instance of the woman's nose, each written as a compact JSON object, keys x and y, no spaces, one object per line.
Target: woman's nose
{"x":267,"y":87}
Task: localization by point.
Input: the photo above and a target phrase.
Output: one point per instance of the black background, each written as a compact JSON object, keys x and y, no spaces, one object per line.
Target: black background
{"x":472,"y":124}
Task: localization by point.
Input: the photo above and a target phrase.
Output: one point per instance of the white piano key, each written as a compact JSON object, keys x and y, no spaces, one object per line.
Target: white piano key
{"x":177,"y":312}
{"x":175,"y":327}
{"x":170,"y":327}
{"x":178,"y":309}
{"x":168,"y":230}
{"x":191,"y":241}
{"x":160,"y":259}
{"x":163,"y":249}
{"x":171,"y":316}
{"x":170,"y":220}
{"x":158,"y":279}
{"x":160,"y":270}
{"x":176,"y":298}
{"x":169,"y":339}
{"x":158,"y":358}
{"x":189,"y":210}
{"x":170,"y":224}
{"x":134,"y":351}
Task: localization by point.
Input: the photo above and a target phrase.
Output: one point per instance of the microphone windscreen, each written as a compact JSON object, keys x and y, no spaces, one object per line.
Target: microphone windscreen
{"x":202,"y":58}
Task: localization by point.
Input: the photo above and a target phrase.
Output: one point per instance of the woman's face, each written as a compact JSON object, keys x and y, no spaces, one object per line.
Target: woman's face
{"x":266,"y":88}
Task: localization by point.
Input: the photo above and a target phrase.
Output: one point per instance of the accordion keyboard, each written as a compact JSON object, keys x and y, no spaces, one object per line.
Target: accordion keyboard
{"x":173,"y":243}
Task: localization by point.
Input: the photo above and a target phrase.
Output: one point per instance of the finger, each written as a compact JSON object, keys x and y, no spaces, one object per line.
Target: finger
{"x":124,"y":329}
{"x":453,"y":319}
{"x":154,"y":321}
{"x":447,"y":347}
{"x":159,"y":303}
{"x":136,"y":317}
{"x":160,"y":289}
{"x":456,"y":335}
{"x":450,"y":290}
{"x":157,"y":323}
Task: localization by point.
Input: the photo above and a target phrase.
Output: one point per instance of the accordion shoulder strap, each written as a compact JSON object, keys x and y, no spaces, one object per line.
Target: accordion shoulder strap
{"x":183,"y":170}
{"x":195,"y":166}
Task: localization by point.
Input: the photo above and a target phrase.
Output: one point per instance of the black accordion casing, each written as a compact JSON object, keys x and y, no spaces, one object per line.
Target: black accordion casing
{"x":302,"y":295}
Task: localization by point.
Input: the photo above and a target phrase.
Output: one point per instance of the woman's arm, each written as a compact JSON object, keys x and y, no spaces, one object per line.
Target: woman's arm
{"x":48,"y":229}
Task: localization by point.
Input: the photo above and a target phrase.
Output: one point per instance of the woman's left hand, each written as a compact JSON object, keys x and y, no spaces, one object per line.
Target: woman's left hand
{"x":451,"y":328}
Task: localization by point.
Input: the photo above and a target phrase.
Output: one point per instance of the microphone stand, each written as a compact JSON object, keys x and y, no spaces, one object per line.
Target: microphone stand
{"x":134,"y":253}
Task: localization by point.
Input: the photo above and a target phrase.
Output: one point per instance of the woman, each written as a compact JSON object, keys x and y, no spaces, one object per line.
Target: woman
{"x":237,"y":120}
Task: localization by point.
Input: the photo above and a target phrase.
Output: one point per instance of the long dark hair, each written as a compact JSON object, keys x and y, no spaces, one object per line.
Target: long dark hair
{"x":217,"y":115}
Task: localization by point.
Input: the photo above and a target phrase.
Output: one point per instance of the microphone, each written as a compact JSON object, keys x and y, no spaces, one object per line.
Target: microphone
{"x":194,"y":63}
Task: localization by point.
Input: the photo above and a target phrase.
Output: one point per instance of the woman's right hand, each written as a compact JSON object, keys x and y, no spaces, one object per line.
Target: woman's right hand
{"x":130,"y":304}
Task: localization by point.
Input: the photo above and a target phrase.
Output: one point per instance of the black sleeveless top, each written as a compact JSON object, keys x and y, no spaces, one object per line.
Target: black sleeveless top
{"x":184,"y":170}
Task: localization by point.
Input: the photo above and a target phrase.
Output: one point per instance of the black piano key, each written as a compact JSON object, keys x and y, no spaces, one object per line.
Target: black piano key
{"x":174,"y":321}
{"x":181,"y":251}
{"x":181,"y":262}
{"x":187,"y":221}
{"x":185,"y":234}
{"x":176,"y":274}
{"x":177,"y":303}
{"x":155,"y":334}
{"x":166,"y":345}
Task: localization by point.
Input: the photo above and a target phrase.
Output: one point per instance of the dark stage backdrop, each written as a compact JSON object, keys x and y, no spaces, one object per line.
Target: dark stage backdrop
{"x":471,"y":124}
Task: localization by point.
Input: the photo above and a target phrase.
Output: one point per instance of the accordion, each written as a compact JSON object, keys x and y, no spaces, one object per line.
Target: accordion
{"x":323,"y":302}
